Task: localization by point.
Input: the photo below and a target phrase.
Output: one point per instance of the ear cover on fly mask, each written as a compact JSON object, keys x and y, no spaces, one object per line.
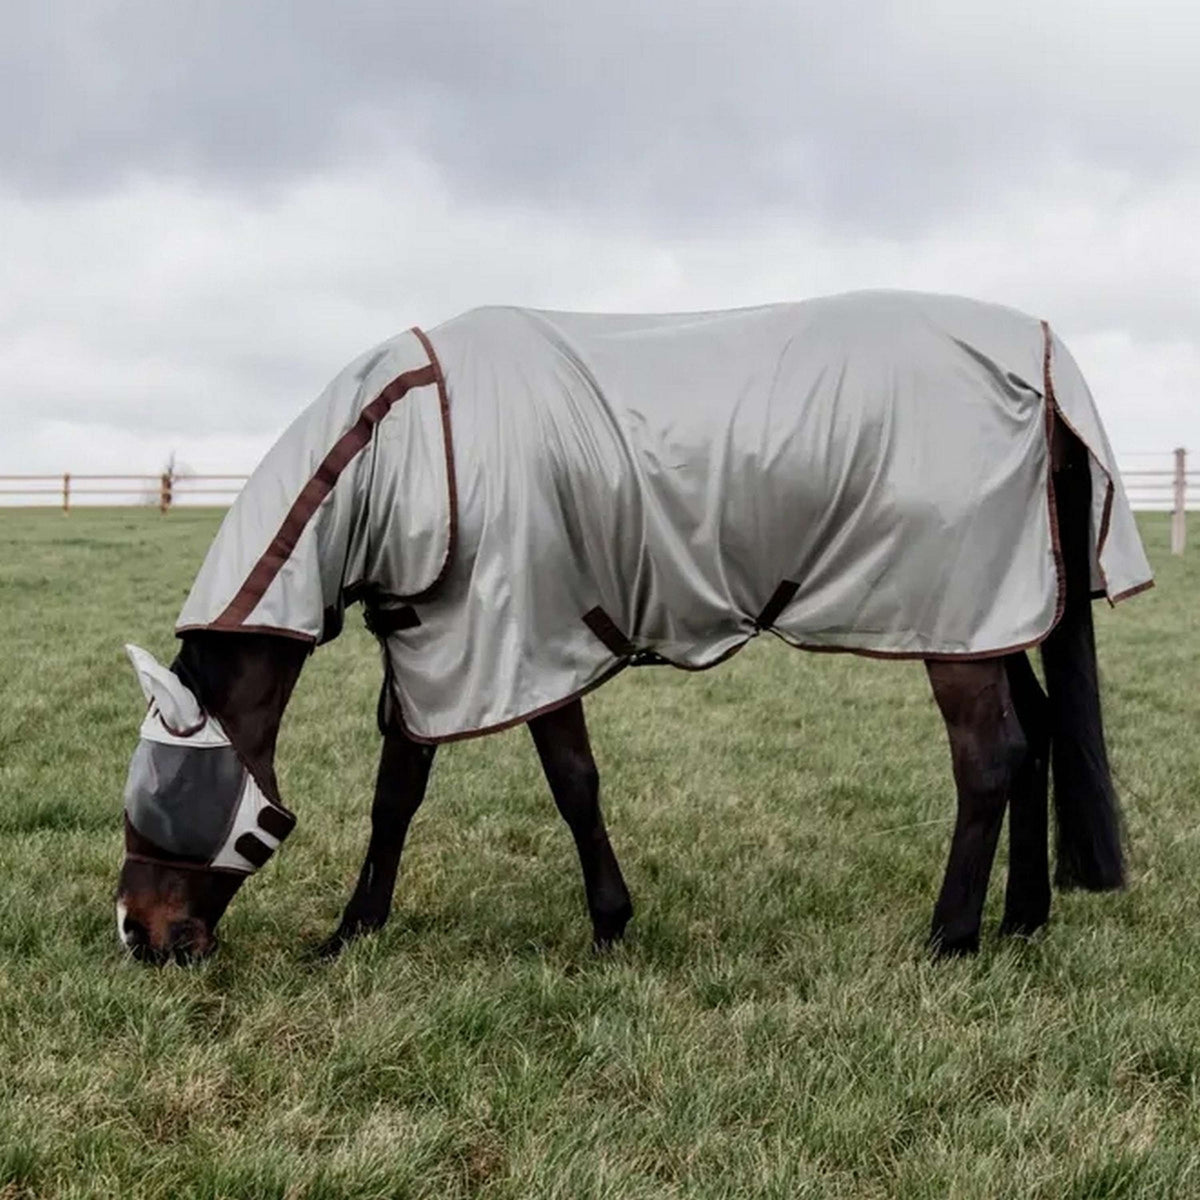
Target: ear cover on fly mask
{"x":176,"y":703}
{"x":188,"y":792}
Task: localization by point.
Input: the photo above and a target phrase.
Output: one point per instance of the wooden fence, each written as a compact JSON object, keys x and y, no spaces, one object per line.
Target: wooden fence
{"x":161,"y":490}
{"x":1171,"y":488}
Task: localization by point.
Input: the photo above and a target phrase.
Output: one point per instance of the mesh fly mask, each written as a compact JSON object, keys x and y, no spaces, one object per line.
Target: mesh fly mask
{"x":188,"y":792}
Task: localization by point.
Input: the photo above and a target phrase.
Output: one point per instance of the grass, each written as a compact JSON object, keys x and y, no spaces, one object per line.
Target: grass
{"x":770,"y":1029}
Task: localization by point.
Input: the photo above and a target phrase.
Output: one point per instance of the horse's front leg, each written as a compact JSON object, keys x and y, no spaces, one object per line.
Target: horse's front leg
{"x":987,"y":748}
{"x":399,"y":789}
{"x":562,"y":744}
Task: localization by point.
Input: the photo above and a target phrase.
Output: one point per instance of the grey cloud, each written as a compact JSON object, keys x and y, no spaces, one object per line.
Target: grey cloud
{"x":669,"y":116}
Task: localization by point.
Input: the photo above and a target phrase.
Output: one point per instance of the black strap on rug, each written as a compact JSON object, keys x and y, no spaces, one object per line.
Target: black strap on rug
{"x":779,"y":600}
{"x":606,"y":629}
{"x":383,"y":621}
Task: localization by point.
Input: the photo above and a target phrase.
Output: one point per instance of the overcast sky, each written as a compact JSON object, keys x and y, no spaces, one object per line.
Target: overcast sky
{"x":206,"y":209}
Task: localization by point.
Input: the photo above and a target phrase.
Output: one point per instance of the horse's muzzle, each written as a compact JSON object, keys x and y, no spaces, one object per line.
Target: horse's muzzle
{"x":186,"y":942}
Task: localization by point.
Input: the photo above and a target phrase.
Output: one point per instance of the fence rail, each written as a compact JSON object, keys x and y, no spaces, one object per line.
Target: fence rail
{"x":1173,"y":489}
{"x":163,"y":490}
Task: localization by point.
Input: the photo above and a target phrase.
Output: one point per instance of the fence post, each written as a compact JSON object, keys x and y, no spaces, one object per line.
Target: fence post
{"x":164,"y":494}
{"x":66,"y":493}
{"x":1179,"y":509}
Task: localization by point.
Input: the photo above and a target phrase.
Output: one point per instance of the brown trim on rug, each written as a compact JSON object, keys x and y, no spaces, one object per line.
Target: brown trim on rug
{"x":314,"y":492}
{"x":607,"y":630}
{"x":1133,"y":591}
{"x":1051,"y":413}
{"x":616,"y":669}
{"x":1106,"y":514}
{"x":923,"y":655}
{"x":439,"y":377}
{"x":1105,"y":519}
{"x":273,"y":630}
{"x":724,"y":656}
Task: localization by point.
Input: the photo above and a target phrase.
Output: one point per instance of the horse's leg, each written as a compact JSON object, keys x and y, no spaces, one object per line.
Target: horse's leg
{"x":986,"y":747}
{"x":1027,"y":897}
{"x":399,"y":789}
{"x":562,"y":745}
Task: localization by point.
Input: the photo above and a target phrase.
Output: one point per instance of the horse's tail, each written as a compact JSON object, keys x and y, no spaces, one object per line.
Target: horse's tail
{"x":1087,"y":815}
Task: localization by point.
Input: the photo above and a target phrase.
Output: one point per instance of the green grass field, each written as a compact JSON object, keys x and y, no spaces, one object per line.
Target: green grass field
{"x":770,"y":1028}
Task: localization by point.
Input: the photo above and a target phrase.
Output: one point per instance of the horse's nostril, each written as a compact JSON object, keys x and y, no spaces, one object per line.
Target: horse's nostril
{"x":143,"y":952}
{"x":189,"y":941}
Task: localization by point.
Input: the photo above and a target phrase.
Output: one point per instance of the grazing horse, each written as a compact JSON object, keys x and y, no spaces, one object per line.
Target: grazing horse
{"x":528,"y":502}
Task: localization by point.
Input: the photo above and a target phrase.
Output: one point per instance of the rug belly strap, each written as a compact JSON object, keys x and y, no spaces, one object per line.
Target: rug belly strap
{"x":605,"y":628}
{"x":780,"y":599}
{"x":383,"y":621}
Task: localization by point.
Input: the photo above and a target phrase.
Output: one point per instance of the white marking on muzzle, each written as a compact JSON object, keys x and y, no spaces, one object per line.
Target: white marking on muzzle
{"x":121,"y":911}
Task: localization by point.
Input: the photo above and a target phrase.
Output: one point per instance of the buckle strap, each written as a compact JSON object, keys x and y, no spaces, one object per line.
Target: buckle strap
{"x":383,"y":621}
{"x":605,"y":628}
{"x":780,"y":598}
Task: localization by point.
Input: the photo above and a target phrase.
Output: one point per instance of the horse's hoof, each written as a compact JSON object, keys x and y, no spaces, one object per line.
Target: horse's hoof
{"x":942,"y":948}
{"x":609,"y":928}
{"x":1021,"y":927}
{"x":333,"y":945}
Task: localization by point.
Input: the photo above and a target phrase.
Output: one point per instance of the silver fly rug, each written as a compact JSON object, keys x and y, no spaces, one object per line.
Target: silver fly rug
{"x":527,"y":501}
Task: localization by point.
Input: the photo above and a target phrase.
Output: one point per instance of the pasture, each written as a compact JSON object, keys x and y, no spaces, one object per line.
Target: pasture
{"x":771,"y":1027}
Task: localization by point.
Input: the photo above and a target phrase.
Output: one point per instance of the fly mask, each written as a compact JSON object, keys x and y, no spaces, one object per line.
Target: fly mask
{"x":188,"y":790}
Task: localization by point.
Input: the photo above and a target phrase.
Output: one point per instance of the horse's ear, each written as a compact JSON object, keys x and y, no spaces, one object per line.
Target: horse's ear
{"x":161,"y":686}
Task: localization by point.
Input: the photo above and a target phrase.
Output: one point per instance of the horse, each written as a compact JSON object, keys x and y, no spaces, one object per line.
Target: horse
{"x":841,"y":464}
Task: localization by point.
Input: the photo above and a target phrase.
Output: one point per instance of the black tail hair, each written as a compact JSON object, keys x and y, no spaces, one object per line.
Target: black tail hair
{"x":1087,"y":815}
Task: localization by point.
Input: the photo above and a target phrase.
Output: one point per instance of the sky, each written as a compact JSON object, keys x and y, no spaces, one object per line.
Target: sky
{"x":207,"y":209}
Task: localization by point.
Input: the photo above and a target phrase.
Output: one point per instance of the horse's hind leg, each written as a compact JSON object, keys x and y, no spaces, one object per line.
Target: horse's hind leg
{"x":399,"y":789}
{"x":987,"y":747}
{"x":562,"y":745}
{"x":1027,"y":897}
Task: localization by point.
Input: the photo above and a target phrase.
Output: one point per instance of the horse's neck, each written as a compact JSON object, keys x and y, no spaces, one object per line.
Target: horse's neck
{"x":244,"y":680}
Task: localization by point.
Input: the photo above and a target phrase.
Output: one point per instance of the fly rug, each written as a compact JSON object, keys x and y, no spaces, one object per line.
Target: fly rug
{"x":526,"y":502}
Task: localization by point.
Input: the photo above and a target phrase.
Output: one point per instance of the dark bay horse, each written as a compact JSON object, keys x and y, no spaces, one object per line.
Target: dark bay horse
{"x":1005,"y":733}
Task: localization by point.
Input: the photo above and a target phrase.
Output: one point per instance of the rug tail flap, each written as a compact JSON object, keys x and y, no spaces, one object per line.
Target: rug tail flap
{"x":1119,"y":565}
